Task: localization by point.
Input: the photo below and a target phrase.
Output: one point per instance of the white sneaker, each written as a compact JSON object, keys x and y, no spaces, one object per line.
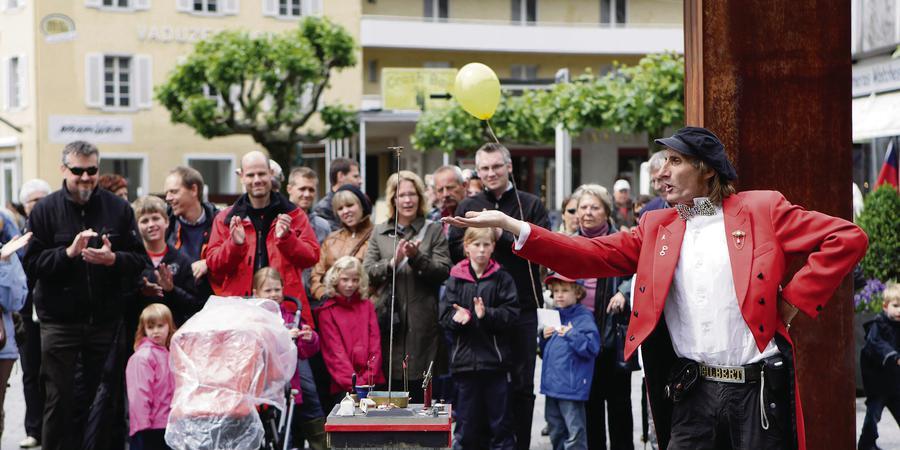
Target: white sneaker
{"x":29,"y":442}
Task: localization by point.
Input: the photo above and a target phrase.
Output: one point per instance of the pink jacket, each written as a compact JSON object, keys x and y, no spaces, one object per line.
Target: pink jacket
{"x":351,"y":341}
{"x":305,"y":349}
{"x":150,"y":387}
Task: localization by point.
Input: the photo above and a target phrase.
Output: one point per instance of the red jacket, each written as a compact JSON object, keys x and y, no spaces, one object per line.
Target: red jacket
{"x":231,"y":265}
{"x":762,"y":228}
{"x":350,"y":341}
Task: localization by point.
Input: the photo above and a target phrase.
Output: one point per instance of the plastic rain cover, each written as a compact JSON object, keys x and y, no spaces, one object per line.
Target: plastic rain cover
{"x":230,"y":357}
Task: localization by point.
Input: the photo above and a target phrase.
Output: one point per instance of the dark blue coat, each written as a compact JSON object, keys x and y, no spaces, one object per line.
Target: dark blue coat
{"x":878,"y":360}
{"x":568,"y":367}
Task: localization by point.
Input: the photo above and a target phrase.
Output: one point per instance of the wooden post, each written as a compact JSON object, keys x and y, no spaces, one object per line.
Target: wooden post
{"x":772,"y":79}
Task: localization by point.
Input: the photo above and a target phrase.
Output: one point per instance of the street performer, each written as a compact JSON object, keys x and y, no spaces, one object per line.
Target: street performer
{"x":709,"y":310}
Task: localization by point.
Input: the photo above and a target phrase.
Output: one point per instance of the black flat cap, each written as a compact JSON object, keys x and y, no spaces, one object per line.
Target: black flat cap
{"x":703,"y":144}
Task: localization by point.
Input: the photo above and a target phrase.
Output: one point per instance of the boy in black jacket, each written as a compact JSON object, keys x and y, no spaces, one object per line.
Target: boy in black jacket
{"x":880,"y":364}
{"x":167,"y":277}
{"x":480,"y":308}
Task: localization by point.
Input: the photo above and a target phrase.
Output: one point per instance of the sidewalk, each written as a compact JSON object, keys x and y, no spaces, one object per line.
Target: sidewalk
{"x":15,"y":411}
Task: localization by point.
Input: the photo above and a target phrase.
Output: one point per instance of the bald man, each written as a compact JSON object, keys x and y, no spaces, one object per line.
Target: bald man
{"x":262,"y":229}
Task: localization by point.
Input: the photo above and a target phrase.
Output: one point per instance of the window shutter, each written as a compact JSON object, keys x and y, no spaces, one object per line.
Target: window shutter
{"x":184,"y":5}
{"x":4,"y":82}
{"x":270,"y":7}
{"x":93,"y":3}
{"x":23,"y":81}
{"x":233,"y":93}
{"x":310,"y":8}
{"x":316,"y":9}
{"x":143,"y":76}
{"x":230,"y":7}
{"x":93,"y":80}
{"x":141,"y":5}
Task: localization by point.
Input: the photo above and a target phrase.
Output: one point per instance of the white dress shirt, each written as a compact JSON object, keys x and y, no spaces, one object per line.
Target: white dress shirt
{"x":702,"y":309}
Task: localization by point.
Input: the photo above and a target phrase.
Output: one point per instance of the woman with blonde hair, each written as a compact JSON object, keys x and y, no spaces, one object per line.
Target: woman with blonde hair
{"x":353,"y":209}
{"x":421,"y":260}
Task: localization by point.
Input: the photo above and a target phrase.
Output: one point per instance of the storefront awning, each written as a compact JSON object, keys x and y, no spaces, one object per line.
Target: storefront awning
{"x":876,"y":116}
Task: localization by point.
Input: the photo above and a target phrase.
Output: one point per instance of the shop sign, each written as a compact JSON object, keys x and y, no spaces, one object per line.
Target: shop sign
{"x":94,"y":129}
{"x":877,"y":77}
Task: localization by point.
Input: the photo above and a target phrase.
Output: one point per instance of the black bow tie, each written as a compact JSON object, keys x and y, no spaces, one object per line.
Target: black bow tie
{"x":702,"y":207}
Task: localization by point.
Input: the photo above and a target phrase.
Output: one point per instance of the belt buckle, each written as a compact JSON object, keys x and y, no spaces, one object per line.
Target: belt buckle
{"x":723,"y":374}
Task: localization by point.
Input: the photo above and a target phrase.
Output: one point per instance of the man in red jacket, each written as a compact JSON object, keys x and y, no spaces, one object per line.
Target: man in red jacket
{"x":262,"y":229}
{"x":709,"y":311}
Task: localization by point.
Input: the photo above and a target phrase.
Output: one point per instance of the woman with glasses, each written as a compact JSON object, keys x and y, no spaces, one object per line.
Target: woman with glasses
{"x":569,"y":223}
{"x":611,"y":386}
{"x":422,"y":263}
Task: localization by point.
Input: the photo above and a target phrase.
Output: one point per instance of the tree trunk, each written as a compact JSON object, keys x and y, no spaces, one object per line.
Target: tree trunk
{"x":282,"y":153}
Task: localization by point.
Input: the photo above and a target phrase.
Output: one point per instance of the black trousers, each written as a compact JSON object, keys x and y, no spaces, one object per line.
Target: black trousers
{"x":875,"y":405}
{"x":523,"y":342}
{"x":717,"y":415}
{"x":30,"y":352}
{"x":67,"y":402}
{"x":610,"y":393}
{"x":480,"y":409}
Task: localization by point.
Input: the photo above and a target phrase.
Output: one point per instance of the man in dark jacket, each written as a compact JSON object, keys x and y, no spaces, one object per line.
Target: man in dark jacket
{"x":494,"y":165}
{"x":190,"y":221}
{"x":85,"y":244}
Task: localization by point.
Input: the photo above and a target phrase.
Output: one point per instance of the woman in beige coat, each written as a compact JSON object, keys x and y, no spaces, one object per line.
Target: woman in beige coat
{"x":353,"y":209}
{"x":422,"y":260}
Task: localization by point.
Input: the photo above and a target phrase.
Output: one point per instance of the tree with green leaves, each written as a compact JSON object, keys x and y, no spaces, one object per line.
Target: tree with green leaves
{"x":645,"y":98}
{"x":880,"y":219}
{"x":267,"y":86}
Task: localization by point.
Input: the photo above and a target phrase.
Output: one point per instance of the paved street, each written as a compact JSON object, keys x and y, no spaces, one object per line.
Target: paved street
{"x":15,"y":409}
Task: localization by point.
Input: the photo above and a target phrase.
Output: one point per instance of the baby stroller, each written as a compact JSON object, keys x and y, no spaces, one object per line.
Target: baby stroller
{"x":232,"y":362}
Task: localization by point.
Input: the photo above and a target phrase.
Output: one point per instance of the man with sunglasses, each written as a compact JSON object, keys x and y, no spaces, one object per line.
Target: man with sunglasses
{"x":85,"y":244}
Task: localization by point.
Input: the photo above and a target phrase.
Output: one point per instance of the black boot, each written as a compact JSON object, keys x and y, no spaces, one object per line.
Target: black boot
{"x":314,"y":433}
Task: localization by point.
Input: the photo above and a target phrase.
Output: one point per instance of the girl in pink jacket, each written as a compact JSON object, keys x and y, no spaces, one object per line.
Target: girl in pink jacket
{"x":148,"y":379}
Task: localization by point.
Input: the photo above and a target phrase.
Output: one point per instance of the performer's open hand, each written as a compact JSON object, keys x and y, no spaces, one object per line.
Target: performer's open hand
{"x":485,"y":219}
{"x":14,"y":245}
{"x":462,"y":315}
{"x":282,"y":225}
{"x":236,"y":227}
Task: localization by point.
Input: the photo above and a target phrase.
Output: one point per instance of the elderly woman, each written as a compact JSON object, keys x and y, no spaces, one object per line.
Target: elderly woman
{"x":611,"y":387}
{"x":422,"y":263}
{"x":353,"y":209}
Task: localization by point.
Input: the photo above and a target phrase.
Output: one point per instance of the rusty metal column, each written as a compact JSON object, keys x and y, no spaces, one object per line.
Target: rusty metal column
{"x":772,"y":79}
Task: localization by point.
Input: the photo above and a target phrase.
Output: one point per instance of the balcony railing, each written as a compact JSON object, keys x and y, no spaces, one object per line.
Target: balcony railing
{"x":505,"y":36}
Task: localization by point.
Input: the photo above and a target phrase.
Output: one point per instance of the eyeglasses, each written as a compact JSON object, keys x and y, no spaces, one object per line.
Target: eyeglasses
{"x":571,"y":210}
{"x":79,"y":171}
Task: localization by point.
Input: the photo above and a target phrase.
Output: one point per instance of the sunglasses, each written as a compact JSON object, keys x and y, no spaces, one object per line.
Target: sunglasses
{"x":571,"y":210}
{"x":79,"y":171}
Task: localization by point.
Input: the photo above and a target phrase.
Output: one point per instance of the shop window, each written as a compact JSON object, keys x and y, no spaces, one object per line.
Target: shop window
{"x":218,"y":172}
{"x":130,"y":167}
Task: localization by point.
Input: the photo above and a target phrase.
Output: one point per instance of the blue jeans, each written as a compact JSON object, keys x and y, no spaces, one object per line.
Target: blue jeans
{"x":566,"y":419}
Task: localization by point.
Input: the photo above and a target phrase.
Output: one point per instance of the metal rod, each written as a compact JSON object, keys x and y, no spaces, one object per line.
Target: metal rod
{"x":398,"y":150}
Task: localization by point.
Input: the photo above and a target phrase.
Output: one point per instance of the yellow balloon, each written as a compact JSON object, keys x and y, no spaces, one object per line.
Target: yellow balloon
{"x":477,"y":89}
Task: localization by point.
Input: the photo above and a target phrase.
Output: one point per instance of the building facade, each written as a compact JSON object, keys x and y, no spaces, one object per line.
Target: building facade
{"x":86,"y":69}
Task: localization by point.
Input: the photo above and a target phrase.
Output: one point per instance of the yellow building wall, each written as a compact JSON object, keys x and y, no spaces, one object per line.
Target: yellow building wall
{"x":16,"y":28}
{"x":551,"y":11}
{"x":502,"y":63}
{"x":61,"y":78}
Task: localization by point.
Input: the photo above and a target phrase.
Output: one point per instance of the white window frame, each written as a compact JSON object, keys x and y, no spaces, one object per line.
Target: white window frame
{"x":143,"y":188}
{"x":612,"y":14}
{"x":140,"y":82}
{"x":11,"y":160}
{"x":435,"y":11}
{"x":12,"y":6}
{"x":272,"y":8}
{"x":118,"y":68}
{"x":223,"y":8}
{"x":520,"y":17}
{"x":133,"y":5}
{"x":21,"y":75}
{"x":232,"y":168}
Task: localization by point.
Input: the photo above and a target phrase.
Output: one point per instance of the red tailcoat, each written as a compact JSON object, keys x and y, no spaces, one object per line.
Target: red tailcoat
{"x":762,"y":230}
